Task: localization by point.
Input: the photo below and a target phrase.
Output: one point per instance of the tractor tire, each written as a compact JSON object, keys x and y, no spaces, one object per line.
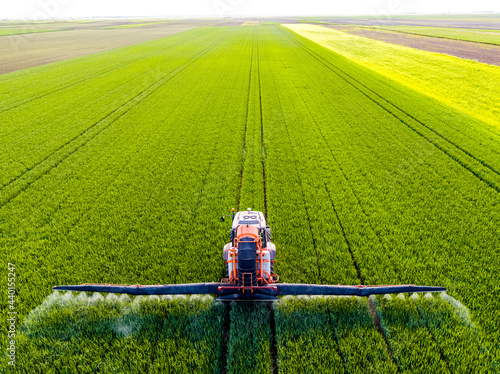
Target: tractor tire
{"x":232,"y":234}
{"x":268,"y":234}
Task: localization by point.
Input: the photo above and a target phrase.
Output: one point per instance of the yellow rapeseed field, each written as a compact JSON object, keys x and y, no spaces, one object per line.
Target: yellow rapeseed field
{"x":466,"y":85}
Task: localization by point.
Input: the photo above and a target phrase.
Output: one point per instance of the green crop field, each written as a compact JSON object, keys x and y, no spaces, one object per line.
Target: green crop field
{"x":116,"y":167}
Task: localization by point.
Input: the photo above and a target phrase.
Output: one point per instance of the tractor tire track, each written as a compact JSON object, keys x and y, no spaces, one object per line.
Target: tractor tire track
{"x":49,"y":92}
{"x":380,"y":102}
{"x":272,"y":318}
{"x":66,"y":150}
{"x":378,"y":326}
{"x":333,"y":325}
{"x":154,"y":347}
{"x":274,"y":342}
{"x":226,"y":327}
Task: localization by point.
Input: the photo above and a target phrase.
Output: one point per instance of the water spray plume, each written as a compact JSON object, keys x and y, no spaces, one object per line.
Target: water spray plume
{"x":460,"y":310}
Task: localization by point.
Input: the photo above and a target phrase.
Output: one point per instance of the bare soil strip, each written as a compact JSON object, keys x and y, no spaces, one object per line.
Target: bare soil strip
{"x":486,"y":53}
{"x":484,"y":22}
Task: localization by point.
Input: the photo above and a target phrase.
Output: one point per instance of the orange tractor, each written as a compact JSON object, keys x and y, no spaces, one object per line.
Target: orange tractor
{"x":249,"y":258}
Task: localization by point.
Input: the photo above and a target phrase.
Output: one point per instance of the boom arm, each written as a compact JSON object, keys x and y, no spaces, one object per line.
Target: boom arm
{"x":318,"y":289}
{"x":222,"y":289}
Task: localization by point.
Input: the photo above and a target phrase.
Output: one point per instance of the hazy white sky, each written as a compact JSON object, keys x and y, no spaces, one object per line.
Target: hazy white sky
{"x":38,"y":9}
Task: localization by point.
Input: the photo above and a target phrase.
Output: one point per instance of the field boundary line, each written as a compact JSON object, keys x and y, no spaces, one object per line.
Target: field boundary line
{"x":336,"y":70}
{"x":432,"y":36}
{"x":45,"y":93}
{"x":120,"y":112}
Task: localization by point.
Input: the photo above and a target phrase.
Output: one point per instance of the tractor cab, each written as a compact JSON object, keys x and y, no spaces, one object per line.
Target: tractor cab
{"x":250,"y":239}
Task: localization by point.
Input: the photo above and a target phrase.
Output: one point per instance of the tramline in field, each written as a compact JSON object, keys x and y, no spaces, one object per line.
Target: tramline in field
{"x":249,"y":258}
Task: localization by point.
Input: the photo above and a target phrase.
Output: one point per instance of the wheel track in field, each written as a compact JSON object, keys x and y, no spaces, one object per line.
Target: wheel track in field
{"x":332,"y":322}
{"x":154,"y":344}
{"x":274,"y":341}
{"x":380,"y":101}
{"x":226,"y":327}
{"x":272,"y":318}
{"x":71,"y":146}
{"x":255,"y":56}
{"x":49,"y":92}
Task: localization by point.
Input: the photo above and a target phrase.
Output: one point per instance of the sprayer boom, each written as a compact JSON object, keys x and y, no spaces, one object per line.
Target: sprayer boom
{"x":249,"y":258}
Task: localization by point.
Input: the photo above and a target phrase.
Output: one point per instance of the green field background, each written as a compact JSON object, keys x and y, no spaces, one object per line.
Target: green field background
{"x":117,"y":166}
